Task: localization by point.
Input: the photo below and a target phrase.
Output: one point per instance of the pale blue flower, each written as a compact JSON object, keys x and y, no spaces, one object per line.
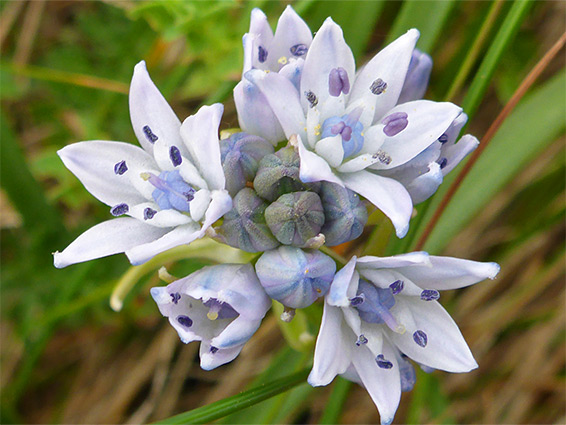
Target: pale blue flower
{"x":377,"y":307}
{"x":222,"y":306}
{"x":351,"y":129}
{"x":172,"y":190}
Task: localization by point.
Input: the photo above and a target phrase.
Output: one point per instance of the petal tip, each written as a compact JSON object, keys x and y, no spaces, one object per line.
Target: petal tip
{"x":493,"y":271}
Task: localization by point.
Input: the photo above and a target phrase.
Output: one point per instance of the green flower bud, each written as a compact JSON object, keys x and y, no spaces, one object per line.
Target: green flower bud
{"x":244,"y":225}
{"x":278,"y":174}
{"x":296,"y":217}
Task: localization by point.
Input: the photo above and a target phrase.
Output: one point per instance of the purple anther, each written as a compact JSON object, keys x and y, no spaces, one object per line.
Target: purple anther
{"x":430,"y":295}
{"x":149,"y":134}
{"x":362,"y":340}
{"x":119,"y":209}
{"x":443,"y":138}
{"x":175,"y":297}
{"x":120,"y":168}
{"x":420,"y":338}
{"x":395,"y":123}
{"x":443,"y":163}
{"x":148,"y":213}
{"x":338,"y":82}
{"x":186,"y":321}
{"x":378,"y":86}
{"x":357,"y":300}
{"x":175,"y":156}
{"x":261,"y":54}
{"x":383,"y":363}
{"x":213,"y":350}
{"x":342,"y":129}
{"x":397,"y":287}
{"x":382,"y":157}
{"x":299,"y":49}
{"x":311,"y":98}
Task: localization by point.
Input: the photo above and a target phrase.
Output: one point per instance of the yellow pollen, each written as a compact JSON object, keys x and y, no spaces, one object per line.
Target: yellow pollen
{"x":318,"y":290}
{"x":145,"y":176}
{"x":282,"y":60}
{"x":400,"y":330}
{"x":212,"y":315}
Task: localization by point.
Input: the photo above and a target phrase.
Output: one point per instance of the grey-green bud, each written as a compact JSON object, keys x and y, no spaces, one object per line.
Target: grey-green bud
{"x":345,"y":214}
{"x":278,"y":174}
{"x":296,"y":217}
{"x":244,"y":225}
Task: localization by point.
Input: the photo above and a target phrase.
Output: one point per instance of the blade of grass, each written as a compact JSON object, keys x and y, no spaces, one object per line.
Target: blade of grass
{"x":337,"y":398}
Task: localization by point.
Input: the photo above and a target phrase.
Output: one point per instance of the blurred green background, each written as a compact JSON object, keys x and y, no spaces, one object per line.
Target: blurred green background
{"x":66,"y":357}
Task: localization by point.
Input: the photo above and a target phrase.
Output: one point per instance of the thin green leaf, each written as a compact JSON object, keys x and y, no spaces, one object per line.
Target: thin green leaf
{"x":340,"y":390}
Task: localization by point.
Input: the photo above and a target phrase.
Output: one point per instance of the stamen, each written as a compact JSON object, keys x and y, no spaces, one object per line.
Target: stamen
{"x":357,"y":300}
{"x":382,"y":157}
{"x":378,"y":86}
{"x":213,"y":311}
{"x":383,"y":363}
{"x":395,"y":123}
{"x":430,"y":295}
{"x":397,"y":287}
{"x":219,"y":310}
{"x":287,"y":315}
{"x":119,"y":209}
{"x":420,"y":338}
{"x":213,"y":350}
{"x":148,"y":213}
{"x":443,"y":139}
{"x":186,"y":321}
{"x":311,"y":98}
{"x":338,"y":82}
{"x":149,"y":134}
{"x":261,"y":54}
{"x":443,"y":163}
{"x":299,"y":49}
{"x":175,"y":297}
{"x":120,"y":168}
{"x":175,"y":156}
{"x":171,"y":191}
{"x":362,"y":340}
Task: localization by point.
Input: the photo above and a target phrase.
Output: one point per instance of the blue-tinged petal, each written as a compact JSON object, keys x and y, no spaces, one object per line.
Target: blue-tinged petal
{"x":254,"y":113}
{"x":332,"y":354}
{"x":380,"y":82}
{"x":424,"y":186}
{"x":313,"y":168}
{"x":199,"y":204}
{"x":211,"y":359}
{"x":401,"y":260}
{"x":152,"y":117}
{"x":200,"y":134}
{"x":236,"y":333}
{"x":282,"y":98}
{"x":432,"y":337}
{"x":344,"y":285}
{"x":450,"y":273}
{"x":105,"y":168}
{"x":331,"y":149}
{"x":417,"y":78}
{"x":386,"y":194}
{"x":220,"y":204}
{"x":107,"y":238}
{"x":450,"y":156}
{"x":293,"y":71}
{"x":149,"y":213}
{"x":260,"y":35}
{"x":425,"y":122}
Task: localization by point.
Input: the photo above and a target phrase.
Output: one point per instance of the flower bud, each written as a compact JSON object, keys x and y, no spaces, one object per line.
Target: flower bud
{"x":296,"y":217}
{"x":295,"y":277}
{"x":240,"y":154}
{"x":244,"y":225}
{"x":345,"y":214}
{"x":278,"y":174}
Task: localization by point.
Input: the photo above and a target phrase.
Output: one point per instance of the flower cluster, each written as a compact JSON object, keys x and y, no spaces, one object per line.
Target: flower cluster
{"x":319,"y":143}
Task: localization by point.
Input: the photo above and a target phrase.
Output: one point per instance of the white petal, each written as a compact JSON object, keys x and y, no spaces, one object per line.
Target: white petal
{"x":454,"y":129}
{"x":333,"y":348}
{"x":313,"y":127}
{"x":191,"y":175}
{"x":180,"y":235}
{"x":457,"y":152}
{"x":199,"y":204}
{"x":338,"y":294}
{"x":361,"y":162}
{"x":383,"y":385}
{"x":328,"y":51}
{"x":149,"y":108}
{"x":107,"y":238}
{"x":161,"y":218}
{"x":446,"y":348}
{"x":450,"y":273}
{"x":313,"y":168}
{"x":417,"y":78}
{"x":283,"y":99}
{"x":383,"y":278}
{"x":209,"y":361}
{"x":390,"y":65}
{"x":386,"y":194}
{"x":373,"y":139}
{"x":260,"y":34}
{"x":200,"y":134}
{"x":93,"y":163}
{"x":237,"y":333}
{"x":291,"y":30}
{"x":254,"y":113}
{"x":427,"y":122}
{"x":424,"y":186}
{"x":331,"y":149}
{"x":401,"y":260}
{"x":220,"y":204}
{"x":293,"y":71}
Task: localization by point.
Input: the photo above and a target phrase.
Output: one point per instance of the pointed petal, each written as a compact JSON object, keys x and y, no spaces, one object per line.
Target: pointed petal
{"x":237,"y":333}
{"x":293,"y":71}
{"x":450,"y":273}
{"x":445,"y":349}
{"x":260,"y":34}
{"x":339,"y":288}
{"x":313,"y":168}
{"x":427,"y":121}
{"x":417,"y":78}
{"x":333,"y":348}
{"x":291,"y":31}
{"x":386,"y":194}
{"x":254,"y":113}
{"x":200,"y":134}
{"x":107,"y":238}
{"x":396,"y":261}
{"x":331,"y":149}
{"x":150,"y":111}
{"x":200,"y":204}
{"x":424,"y":186}
{"x":457,"y":152}
{"x":93,"y":163}
{"x":220,"y":204}
{"x":282,"y":98}
{"x":164,"y":218}
{"x":390,"y":65}
{"x":328,"y":51}
{"x":209,"y":361}
{"x":141,"y":253}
